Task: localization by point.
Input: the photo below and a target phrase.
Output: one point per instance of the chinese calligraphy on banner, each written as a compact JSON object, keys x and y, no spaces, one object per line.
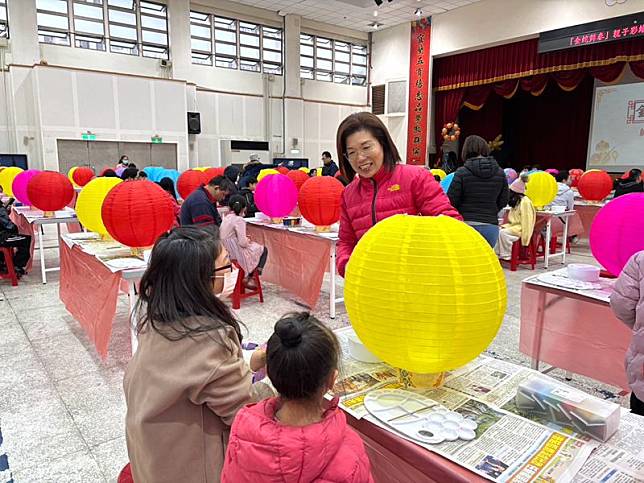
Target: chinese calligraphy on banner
{"x":418,"y":92}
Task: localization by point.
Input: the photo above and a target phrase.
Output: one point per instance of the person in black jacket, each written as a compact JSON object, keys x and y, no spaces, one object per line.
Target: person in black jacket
{"x":329,"y":168}
{"x":479,"y":189}
{"x":249,"y":195}
{"x":632,"y":183}
{"x":9,"y":237}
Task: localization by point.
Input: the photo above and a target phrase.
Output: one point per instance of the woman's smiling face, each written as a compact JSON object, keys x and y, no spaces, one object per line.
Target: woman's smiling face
{"x":364,"y":153}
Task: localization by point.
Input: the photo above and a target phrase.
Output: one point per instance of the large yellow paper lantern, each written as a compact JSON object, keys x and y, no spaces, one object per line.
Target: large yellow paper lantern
{"x":90,"y":202}
{"x":418,"y":305}
{"x":265,"y":172}
{"x":7,"y":176}
{"x":439,"y":172}
{"x":201,"y":168}
{"x":541,"y":188}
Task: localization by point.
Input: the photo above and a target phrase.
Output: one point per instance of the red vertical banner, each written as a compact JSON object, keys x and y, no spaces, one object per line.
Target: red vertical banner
{"x":418,"y":92}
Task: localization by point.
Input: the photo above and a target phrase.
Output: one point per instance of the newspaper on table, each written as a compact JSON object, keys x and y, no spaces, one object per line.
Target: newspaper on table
{"x":115,"y":256}
{"x":510,"y":446}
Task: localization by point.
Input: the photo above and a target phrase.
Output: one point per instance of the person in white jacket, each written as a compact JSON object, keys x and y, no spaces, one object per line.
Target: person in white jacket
{"x":565,"y":194}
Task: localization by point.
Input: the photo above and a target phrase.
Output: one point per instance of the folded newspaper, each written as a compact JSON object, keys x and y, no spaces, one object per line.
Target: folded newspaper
{"x":508,"y":446}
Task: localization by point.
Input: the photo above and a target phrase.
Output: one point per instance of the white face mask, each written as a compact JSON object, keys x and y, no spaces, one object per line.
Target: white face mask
{"x":230,"y":280}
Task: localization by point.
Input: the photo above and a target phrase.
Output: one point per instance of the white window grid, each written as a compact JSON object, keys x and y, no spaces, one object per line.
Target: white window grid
{"x":331,"y":60}
{"x":133,"y":27}
{"x":4,"y":20}
{"x":235,"y":44}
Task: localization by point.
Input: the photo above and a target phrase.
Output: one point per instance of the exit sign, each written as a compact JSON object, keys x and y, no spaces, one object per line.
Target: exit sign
{"x":157,"y":140}
{"x":89,"y":137}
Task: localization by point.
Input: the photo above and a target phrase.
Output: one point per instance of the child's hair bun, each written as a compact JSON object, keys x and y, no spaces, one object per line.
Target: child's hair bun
{"x":290,"y":335}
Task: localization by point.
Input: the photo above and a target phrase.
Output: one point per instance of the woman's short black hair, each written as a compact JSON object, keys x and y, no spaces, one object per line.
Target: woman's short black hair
{"x":168,"y":185}
{"x":562,"y":176}
{"x":109,"y":173}
{"x":237,"y":203}
{"x":514,"y":199}
{"x":300,"y":356}
{"x":473,"y":147}
{"x":176,"y":291}
{"x":365,"y":121}
{"x":633,"y":174}
{"x":129,"y":173}
{"x":232,"y":173}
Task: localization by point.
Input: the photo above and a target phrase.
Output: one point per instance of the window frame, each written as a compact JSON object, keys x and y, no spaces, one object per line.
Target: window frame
{"x":54,"y":30}
{"x":4,"y":24}
{"x":207,"y":53}
{"x":357,"y":54}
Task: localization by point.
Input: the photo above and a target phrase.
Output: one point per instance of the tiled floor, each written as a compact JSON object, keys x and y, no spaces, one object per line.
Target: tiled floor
{"x":62,"y":407}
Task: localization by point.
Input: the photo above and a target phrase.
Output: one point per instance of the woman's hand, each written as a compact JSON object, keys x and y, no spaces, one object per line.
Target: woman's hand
{"x":258,"y":360}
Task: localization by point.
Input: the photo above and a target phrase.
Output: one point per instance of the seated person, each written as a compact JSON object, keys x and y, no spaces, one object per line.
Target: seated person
{"x":249,"y":195}
{"x":200,"y":208}
{"x":9,"y":237}
{"x":631,"y":183}
{"x":249,"y":255}
{"x":521,"y":220}
{"x":565,"y":195}
{"x":168,"y":186}
{"x":298,"y":436}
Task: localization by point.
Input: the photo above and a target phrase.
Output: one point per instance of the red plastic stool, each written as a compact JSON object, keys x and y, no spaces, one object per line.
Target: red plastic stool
{"x":10,"y":274}
{"x":523,"y":255}
{"x":241,"y":292}
{"x":126,"y":475}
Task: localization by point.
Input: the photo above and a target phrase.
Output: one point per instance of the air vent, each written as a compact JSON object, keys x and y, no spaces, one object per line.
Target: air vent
{"x":378,"y":99}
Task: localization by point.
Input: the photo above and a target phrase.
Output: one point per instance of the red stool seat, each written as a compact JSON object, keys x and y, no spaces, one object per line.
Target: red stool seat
{"x":10,"y":274}
{"x":241,"y":292}
{"x":126,"y":475}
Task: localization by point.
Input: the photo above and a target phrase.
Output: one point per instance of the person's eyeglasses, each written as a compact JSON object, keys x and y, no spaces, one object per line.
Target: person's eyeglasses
{"x":225,"y":268}
{"x":365,"y":151}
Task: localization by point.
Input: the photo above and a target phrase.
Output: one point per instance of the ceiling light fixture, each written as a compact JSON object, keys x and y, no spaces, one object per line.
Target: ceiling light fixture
{"x":418,"y":12}
{"x":375,"y":25}
{"x":375,"y":13}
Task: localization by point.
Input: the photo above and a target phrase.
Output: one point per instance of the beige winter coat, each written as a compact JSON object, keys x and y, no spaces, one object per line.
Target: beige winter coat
{"x":181,"y":399}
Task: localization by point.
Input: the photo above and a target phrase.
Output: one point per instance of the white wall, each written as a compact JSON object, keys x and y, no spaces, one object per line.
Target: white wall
{"x":492,"y":22}
{"x":389,"y":62}
{"x":58,"y":92}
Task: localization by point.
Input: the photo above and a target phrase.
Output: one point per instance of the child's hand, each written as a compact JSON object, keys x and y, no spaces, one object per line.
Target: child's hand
{"x":258,"y":360}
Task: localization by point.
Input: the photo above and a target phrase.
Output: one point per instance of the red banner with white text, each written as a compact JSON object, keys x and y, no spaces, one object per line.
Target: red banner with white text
{"x":418,"y":92}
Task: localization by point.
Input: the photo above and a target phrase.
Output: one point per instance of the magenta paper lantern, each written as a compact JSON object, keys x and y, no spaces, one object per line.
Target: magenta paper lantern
{"x":616,"y":233}
{"x":552,"y":171}
{"x":19,"y":186}
{"x":276,"y":195}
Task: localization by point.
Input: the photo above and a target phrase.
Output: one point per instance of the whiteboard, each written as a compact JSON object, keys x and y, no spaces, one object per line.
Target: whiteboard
{"x":617,"y":128}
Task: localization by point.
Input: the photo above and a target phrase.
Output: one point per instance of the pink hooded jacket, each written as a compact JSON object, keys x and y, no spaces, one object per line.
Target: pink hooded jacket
{"x":627,"y":301}
{"x":262,"y":450}
{"x":408,"y":189}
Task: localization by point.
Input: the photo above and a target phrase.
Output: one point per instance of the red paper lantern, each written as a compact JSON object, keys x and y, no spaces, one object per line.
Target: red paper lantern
{"x":50,"y":191}
{"x":298,"y":177}
{"x":320,"y":199}
{"x":282,"y":170}
{"x":595,"y":185}
{"x":136,"y":213}
{"x":211,"y":173}
{"x":82,"y":176}
{"x":189,"y":181}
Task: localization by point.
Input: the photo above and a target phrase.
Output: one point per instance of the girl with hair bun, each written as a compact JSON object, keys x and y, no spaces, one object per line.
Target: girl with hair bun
{"x":249,"y":255}
{"x":298,"y":436}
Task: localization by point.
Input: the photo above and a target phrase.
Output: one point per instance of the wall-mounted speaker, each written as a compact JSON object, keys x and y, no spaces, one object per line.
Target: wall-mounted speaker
{"x":194,"y":123}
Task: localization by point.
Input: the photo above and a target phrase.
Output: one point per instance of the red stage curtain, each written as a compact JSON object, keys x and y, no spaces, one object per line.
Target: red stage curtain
{"x":535,"y":85}
{"x":608,"y":73}
{"x":568,"y":80}
{"x":638,"y":68}
{"x":447,"y":106}
{"x":520,"y":59}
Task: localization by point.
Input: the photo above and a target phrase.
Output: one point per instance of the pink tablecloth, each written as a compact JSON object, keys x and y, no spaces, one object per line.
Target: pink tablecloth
{"x":395,"y":460}
{"x":574,"y":333}
{"x":296,"y":261}
{"x":587,"y":214}
{"x":89,"y":291}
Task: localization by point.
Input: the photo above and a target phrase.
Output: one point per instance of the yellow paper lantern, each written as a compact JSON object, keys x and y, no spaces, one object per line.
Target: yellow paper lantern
{"x":7,"y":176}
{"x":419,"y":306}
{"x":202,"y":169}
{"x":305,"y":170}
{"x":265,"y":172}
{"x":439,"y":172}
{"x":90,"y":202}
{"x":318,"y":172}
{"x":70,"y":176}
{"x":541,"y":188}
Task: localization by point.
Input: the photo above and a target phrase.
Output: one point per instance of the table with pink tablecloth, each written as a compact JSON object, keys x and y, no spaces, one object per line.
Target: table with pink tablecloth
{"x":396,"y":460}
{"x":90,"y":292}
{"x":297,"y":261}
{"x":574,"y":332}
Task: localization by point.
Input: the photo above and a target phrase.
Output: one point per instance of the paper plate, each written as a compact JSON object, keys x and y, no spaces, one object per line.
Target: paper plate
{"x":124,"y":263}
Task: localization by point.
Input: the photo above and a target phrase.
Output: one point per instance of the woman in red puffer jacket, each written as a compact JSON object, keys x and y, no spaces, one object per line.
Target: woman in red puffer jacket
{"x":383,"y":187}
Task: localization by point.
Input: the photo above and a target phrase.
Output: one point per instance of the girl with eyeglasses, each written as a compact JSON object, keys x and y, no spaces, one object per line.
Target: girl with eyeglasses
{"x":381,"y":185}
{"x":187,"y":379}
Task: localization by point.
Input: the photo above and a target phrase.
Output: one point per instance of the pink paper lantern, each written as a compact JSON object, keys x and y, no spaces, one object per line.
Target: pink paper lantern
{"x":616,"y":234}
{"x":276,"y":195}
{"x":552,"y":171}
{"x":119,"y":171}
{"x":19,"y":186}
